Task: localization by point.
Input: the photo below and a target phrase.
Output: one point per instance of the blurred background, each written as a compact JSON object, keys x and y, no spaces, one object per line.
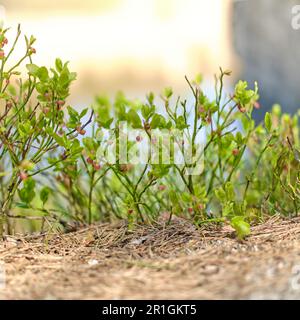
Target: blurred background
{"x":143,"y":45}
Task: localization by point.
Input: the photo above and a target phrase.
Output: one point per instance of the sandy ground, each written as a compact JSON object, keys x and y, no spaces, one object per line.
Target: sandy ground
{"x":163,"y":262}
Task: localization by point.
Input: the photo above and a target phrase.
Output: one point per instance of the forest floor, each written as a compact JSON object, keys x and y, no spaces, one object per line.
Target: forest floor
{"x":175,"y":261}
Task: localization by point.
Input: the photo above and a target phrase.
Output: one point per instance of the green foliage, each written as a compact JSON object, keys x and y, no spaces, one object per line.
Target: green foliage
{"x":55,"y":162}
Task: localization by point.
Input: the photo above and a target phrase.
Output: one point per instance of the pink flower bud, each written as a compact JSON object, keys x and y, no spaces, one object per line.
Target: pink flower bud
{"x":256,"y":105}
{"x":97,"y":166}
{"x":23,"y":175}
{"x":61,"y":102}
{"x":162,"y":187}
{"x":89,"y":160}
{"x":235,"y":152}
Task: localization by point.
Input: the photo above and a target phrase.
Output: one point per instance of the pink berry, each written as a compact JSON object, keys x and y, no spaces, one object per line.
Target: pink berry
{"x":235,"y":152}
{"x":89,"y":160}
{"x":162,"y":187}
{"x":80,"y":131}
{"x":46,"y":110}
{"x":200,"y":206}
{"x":60,"y":103}
{"x":97,"y":166}
{"x":138,"y":138}
{"x":256,"y":105}
{"x":23,"y":175}
{"x":242,"y":109}
{"x":201,"y":109}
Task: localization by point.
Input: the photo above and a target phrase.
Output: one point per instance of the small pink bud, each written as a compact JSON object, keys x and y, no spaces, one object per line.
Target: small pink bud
{"x":200,"y":206}
{"x":201,"y":109}
{"x":89,"y":160}
{"x":23,"y":175}
{"x":46,"y":110}
{"x":256,"y":105}
{"x":242,"y":109}
{"x":80,"y":131}
{"x":162,"y":187}
{"x":60,"y":103}
{"x":97,"y":166}
{"x":235,"y":152}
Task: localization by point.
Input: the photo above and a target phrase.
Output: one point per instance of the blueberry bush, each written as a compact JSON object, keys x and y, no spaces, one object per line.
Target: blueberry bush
{"x":59,"y":165}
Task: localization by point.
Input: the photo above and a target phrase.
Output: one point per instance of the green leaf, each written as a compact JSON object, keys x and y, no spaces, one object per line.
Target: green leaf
{"x":220,"y":194}
{"x":83,"y":112}
{"x":22,"y":205}
{"x":32,"y":69}
{"x":186,"y":197}
{"x":241,"y":227}
{"x":27,"y":193}
{"x":158,"y":121}
{"x":42,"y":74}
{"x":180,"y":123}
{"x":239,"y":138}
{"x":102,"y":109}
{"x":227,"y":210}
{"x":134,"y":119}
{"x":12,"y":90}
{"x":160,"y":171}
{"x":150,"y":98}
{"x":230,"y":194}
{"x":198,"y":79}
{"x":147,"y":111}
{"x":58,"y":64}
{"x":155,"y":121}
{"x":44,"y":194}
{"x":89,"y":144}
{"x":268,"y":121}
{"x":168,"y":92}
